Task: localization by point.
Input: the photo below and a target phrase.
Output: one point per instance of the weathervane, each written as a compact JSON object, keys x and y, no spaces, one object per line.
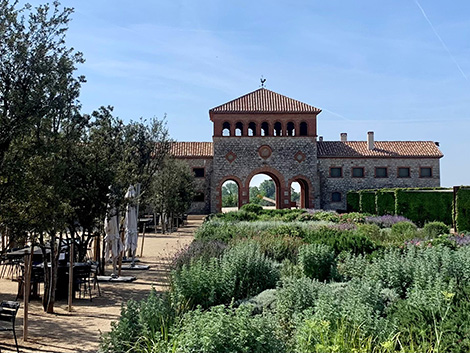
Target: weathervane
{"x":263,"y":80}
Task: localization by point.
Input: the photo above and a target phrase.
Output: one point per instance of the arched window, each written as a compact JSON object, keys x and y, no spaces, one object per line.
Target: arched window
{"x":277,"y":129}
{"x":226,"y":129}
{"x":303,"y":129}
{"x":265,"y":129}
{"x":290,"y":129}
{"x":252,"y":129}
{"x":238,"y":129}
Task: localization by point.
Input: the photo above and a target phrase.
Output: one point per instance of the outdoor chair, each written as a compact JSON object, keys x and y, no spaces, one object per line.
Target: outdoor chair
{"x":8,"y":310}
{"x":95,"y":267}
{"x":81,"y":275}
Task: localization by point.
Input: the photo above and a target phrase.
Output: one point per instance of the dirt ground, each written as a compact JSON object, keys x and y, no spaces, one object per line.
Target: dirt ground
{"x":79,"y":331}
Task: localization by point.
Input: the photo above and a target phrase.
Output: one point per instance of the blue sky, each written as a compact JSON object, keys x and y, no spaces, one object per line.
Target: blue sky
{"x":400,"y":68}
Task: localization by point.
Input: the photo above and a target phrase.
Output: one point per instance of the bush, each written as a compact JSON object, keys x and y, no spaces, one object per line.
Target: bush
{"x":227,"y":330}
{"x":151,"y":318}
{"x":242,"y":271}
{"x":367,"y":201}
{"x":385,"y":202}
{"x":462,"y":217}
{"x":341,"y":240}
{"x":434,"y":229}
{"x":253,"y":208}
{"x":293,"y":297}
{"x":369,"y":231}
{"x":317,"y":261}
{"x":423,"y":206}
{"x":279,"y":247}
{"x":386,"y":221}
{"x":352,"y":200}
{"x":197,"y":249}
{"x":404,"y":231}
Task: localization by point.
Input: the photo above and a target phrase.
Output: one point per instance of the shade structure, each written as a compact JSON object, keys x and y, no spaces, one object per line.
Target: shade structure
{"x":113,"y":243}
{"x":131,"y":220}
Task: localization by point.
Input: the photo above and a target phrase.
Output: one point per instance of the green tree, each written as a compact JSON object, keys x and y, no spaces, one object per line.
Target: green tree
{"x":255,"y":195}
{"x":230,"y":194}
{"x":268,"y":189}
{"x":172,"y":190}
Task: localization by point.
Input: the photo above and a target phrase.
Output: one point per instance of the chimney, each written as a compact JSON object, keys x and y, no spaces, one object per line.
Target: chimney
{"x":320,"y":138}
{"x":344,"y":137}
{"x":370,"y":140}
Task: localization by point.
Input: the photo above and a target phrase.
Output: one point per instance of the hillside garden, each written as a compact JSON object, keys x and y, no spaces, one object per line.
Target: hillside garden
{"x":307,"y":281}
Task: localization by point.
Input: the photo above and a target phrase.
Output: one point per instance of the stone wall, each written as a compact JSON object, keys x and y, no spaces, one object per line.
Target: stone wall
{"x":201,"y":184}
{"x":285,"y":159}
{"x":342,"y":185}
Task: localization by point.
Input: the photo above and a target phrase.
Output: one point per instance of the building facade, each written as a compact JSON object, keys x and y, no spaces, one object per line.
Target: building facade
{"x":264,"y":132}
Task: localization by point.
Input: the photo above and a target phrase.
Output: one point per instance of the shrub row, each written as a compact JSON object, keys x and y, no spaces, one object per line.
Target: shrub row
{"x":419,"y":205}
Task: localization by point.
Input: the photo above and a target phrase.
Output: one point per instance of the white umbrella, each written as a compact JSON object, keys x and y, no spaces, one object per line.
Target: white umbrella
{"x":131,"y":222}
{"x":113,"y":243}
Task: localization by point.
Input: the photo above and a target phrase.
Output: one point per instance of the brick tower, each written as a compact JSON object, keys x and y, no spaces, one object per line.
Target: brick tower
{"x":264,"y":132}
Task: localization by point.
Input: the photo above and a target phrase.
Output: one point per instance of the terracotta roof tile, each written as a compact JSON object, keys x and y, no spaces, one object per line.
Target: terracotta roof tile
{"x":383,"y":149}
{"x":264,"y":101}
{"x":192,"y":149}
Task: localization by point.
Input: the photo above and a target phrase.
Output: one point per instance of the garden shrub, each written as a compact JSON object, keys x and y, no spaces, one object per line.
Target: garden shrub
{"x":253,"y":208}
{"x":151,"y":318}
{"x":358,"y":302}
{"x":242,"y":271}
{"x":434,"y":229}
{"x":195,"y":250}
{"x":352,"y":201}
{"x":288,"y":229}
{"x":279,"y":247}
{"x":341,"y":240}
{"x":293,"y":296}
{"x":353,"y":217}
{"x":317,"y":261}
{"x":367,"y":201}
{"x":224,"y":329}
{"x":462,"y":206}
{"x":386,"y":221}
{"x":369,"y":231}
{"x":385,"y":202}
{"x":423,"y":206}
{"x":404,"y":231}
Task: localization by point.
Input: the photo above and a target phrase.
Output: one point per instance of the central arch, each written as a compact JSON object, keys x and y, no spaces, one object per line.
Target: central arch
{"x":279,"y":181}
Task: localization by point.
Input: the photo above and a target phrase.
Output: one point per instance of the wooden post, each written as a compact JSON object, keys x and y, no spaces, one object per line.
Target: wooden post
{"x":70,"y":295}
{"x":143,"y":240}
{"x":28,"y":265}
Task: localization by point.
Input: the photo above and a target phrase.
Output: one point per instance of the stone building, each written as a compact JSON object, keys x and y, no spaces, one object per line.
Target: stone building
{"x":264,"y":132}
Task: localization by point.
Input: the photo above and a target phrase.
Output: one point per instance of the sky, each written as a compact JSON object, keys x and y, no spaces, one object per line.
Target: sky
{"x":400,"y":68}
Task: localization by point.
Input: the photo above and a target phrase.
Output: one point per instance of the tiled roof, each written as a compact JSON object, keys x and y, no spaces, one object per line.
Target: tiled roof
{"x":264,"y":101}
{"x":192,"y":149}
{"x":390,"y":149}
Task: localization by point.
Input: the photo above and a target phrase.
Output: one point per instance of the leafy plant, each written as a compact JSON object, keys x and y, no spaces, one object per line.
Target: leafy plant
{"x":317,"y":261}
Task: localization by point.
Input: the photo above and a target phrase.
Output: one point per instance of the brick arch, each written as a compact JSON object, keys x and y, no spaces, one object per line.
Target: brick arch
{"x":219,"y":189}
{"x":307,"y":198}
{"x":278,"y":179}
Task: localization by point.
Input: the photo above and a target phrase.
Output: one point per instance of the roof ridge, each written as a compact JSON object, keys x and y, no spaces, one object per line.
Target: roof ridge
{"x":264,"y":100}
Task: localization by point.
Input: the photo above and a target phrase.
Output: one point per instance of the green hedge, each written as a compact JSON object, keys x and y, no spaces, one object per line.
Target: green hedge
{"x":367,"y":201}
{"x":385,"y":202}
{"x":423,"y":206}
{"x":352,"y":200}
{"x":462,"y":216}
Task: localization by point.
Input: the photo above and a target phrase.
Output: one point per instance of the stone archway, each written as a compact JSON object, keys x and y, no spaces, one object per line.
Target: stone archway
{"x":306,"y":190}
{"x":279,"y":182}
{"x":239,"y":184}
